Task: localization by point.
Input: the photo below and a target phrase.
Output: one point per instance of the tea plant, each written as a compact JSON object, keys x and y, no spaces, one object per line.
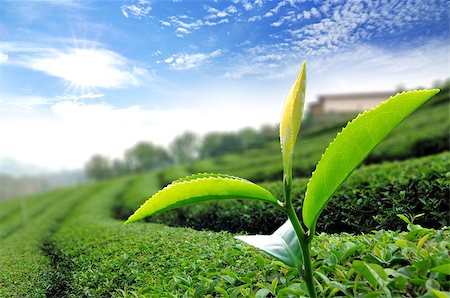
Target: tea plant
{"x":291,"y":243}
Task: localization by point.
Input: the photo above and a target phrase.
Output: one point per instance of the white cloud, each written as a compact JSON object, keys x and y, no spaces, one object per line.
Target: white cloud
{"x":247,"y":5}
{"x":212,"y":10}
{"x":216,"y":13}
{"x":254,"y":18}
{"x":11,"y":103}
{"x":306,"y":14}
{"x":231,"y":9}
{"x":182,"y":31}
{"x":276,"y":24}
{"x":258,"y":3}
{"x":84,"y":96}
{"x":3,"y":57}
{"x":315,"y":12}
{"x":88,"y":68}
{"x":222,"y":21}
{"x":183,"y":24}
{"x":194,"y":25}
{"x":139,"y":10}
{"x":188,"y":61}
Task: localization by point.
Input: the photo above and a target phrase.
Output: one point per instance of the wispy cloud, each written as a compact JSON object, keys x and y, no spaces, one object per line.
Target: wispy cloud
{"x":188,"y":61}
{"x":381,"y":66}
{"x":349,"y":22}
{"x":84,"y":96}
{"x":28,"y":103}
{"x":21,"y":103}
{"x":222,"y":21}
{"x":140,"y":9}
{"x":3,"y":57}
{"x":216,"y":13}
{"x":259,"y":61}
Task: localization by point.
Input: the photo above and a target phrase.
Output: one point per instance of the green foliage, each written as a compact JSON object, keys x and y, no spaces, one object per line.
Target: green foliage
{"x":351,"y":147}
{"x":370,"y":199}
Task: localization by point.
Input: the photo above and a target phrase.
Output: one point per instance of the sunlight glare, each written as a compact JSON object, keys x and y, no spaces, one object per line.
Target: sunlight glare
{"x":86,"y":68}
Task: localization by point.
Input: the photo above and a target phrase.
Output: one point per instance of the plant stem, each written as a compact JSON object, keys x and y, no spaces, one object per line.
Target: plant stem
{"x":305,"y":246}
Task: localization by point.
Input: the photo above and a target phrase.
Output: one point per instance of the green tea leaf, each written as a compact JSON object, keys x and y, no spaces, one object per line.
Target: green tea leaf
{"x":200,"y":188}
{"x":440,"y":294}
{"x":291,"y":120}
{"x":374,"y":273}
{"x":282,"y":244}
{"x":262,"y":293}
{"x":405,"y":219}
{"x":352,"y":145}
{"x":445,"y":268}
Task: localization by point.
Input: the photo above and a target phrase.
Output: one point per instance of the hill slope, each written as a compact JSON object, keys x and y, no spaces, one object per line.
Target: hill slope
{"x":70,"y":244}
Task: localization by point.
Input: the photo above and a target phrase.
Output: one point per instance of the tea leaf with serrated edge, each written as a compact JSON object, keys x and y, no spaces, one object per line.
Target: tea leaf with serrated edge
{"x":200,"y":188}
{"x":352,"y":145}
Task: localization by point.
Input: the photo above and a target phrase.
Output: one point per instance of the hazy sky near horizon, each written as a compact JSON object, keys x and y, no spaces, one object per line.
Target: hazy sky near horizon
{"x":85,"y":77}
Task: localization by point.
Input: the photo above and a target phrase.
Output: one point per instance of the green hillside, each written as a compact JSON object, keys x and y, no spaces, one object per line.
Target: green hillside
{"x":72,"y":242}
{"x":71,"y":245}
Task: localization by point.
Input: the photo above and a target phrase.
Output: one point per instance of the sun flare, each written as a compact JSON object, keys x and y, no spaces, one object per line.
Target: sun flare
{"x":86,"y":69}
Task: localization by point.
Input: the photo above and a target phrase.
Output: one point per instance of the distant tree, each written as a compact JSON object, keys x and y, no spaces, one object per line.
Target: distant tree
{"x":269,"y":132}
{"x":145,"y":156}
{"x":98,"y":167}
{"x":230,"y":142}
{"x":185,"y":147}
{"x":216,"y":143}
{"x":119,"y":167}
{"x":210,"y":144}
{"x":250,"y":138}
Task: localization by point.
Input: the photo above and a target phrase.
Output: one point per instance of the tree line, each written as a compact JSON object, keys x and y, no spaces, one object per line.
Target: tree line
{"x":185,"y":148}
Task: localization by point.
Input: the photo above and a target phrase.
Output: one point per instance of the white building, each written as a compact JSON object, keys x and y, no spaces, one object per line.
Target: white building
{"x":351,"y":103}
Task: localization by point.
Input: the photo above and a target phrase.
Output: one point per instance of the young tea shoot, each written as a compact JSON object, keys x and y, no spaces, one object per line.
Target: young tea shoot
{"x":291,"y":242}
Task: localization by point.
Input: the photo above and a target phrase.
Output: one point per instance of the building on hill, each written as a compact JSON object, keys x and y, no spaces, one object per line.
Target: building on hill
{"x":331,"y":106}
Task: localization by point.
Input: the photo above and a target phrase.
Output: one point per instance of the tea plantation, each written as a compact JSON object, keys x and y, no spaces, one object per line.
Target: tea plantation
{"x":72,"y":242}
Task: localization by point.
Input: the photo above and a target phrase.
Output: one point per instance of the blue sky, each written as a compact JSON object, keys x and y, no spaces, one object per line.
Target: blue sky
{"x":85,"y":77}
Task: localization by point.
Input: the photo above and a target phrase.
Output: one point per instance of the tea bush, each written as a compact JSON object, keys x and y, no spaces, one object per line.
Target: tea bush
{"x":369,"y":200}
{"x":25,"y":268}
{"x":75,"y":248}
